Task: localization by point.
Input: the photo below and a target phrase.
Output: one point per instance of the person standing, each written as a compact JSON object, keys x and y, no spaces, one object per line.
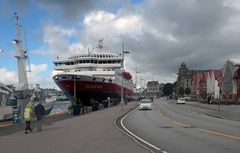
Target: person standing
{"x":28,"y":112}
{"x":39,"y":112}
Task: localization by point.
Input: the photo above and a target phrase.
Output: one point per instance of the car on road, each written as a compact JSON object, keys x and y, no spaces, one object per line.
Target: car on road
{"x":145,"y":104}
{"x":181,"y":101}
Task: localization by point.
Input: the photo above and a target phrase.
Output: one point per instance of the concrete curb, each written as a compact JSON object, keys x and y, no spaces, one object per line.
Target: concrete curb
{"x":216,"y":116}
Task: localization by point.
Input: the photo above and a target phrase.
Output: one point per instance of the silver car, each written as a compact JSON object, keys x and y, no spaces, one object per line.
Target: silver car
{"x":181,"y":101}
{"x":145,"y":104}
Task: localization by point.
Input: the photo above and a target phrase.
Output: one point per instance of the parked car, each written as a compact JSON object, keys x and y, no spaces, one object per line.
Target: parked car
{"x":181,"y":101}
{"x":145,"y":104}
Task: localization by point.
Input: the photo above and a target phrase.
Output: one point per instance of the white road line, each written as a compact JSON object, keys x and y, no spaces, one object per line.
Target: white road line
{"x":140,"y":139}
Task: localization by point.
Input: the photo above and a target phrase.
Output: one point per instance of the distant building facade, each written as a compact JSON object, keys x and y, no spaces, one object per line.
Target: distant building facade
{"x":185,"y":77}
{"x":153,"y":89}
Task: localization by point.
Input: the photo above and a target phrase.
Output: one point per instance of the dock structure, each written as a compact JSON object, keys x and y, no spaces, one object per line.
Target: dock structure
{"x":89,"y":133}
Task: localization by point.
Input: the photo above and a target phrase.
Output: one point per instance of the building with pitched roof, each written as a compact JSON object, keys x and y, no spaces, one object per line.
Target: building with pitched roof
{"x":231,"y":80}
{"x":213,"y":86}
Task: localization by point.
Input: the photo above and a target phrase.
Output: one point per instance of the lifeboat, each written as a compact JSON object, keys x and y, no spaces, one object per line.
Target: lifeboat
{"x":127,"y":75}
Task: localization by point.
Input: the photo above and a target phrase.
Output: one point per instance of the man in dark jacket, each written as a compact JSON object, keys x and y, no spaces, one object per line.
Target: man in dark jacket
{"x":39,"y":112}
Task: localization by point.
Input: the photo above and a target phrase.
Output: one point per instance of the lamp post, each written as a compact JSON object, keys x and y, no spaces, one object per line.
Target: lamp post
{"x":141,"y":83}
{"x":136,"y":77}
{"x":122,"y":65}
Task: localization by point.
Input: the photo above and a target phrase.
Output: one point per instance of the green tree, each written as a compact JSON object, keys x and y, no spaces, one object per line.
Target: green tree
{"x":168,"y":89}
{"x":181,"y":91}
{"x":187,"y":91}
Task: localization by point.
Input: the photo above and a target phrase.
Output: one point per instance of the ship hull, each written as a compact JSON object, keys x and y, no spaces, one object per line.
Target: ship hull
{"x":90,"y":90}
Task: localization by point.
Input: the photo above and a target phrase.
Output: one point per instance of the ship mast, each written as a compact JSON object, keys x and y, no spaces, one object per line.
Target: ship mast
{"x":100,"y":44}
{"x":21,"y":56}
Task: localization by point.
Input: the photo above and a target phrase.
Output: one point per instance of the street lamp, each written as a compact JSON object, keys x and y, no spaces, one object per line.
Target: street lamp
{"x":136,"y":77}
{"x":122,"y":65}
{"x":141,"y":82}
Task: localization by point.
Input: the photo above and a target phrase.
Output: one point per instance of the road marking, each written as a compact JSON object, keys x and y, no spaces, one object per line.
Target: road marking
{"x":201,"y":129}
{"x":140,"y":139}
{"x":174,"y":121}
{"x":220,"y":134}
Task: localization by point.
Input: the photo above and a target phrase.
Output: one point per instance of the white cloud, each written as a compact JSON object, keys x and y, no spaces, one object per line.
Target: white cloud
{"x":98,"y":17}
{"x":132,"y":25}
{"x":111,"y":26}
{"x":36,"y":70}
{"x":56,"y":38}
{"x":8,"y":77}
{"x":36,"y":76}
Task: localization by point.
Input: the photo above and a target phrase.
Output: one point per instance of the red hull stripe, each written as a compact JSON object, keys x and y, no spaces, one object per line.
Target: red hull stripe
{"x":89,"y":86}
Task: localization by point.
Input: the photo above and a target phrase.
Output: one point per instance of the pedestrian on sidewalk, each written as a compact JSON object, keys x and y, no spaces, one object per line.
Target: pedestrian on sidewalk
{"x":39,"y":113}
{"x":28,"y":112}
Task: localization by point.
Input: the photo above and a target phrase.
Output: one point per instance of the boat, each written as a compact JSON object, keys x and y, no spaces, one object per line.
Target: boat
{"x":48,"y":104}
{"x":94,"y":78}
{"x":5,"y":95}
{"x":47,"y":99}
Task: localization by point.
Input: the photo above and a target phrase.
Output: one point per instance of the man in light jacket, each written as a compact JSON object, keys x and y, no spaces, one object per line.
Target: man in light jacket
{"x":28,"y":112}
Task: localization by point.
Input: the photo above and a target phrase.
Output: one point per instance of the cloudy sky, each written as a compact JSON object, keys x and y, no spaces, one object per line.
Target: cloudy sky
{"x":160,"y":34}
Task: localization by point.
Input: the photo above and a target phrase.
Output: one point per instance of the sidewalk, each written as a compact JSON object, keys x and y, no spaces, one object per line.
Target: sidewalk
{"x":230,"y":112}
{"x":91,"y":133}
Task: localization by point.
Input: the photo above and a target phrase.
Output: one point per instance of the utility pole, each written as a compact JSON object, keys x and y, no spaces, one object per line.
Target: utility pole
{"x":136,"y":76}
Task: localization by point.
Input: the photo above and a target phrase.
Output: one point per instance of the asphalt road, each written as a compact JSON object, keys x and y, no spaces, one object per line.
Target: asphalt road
{"x":181,"y":129}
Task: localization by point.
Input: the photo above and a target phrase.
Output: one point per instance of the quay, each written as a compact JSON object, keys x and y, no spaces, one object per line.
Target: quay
{"x":94,"y":132}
